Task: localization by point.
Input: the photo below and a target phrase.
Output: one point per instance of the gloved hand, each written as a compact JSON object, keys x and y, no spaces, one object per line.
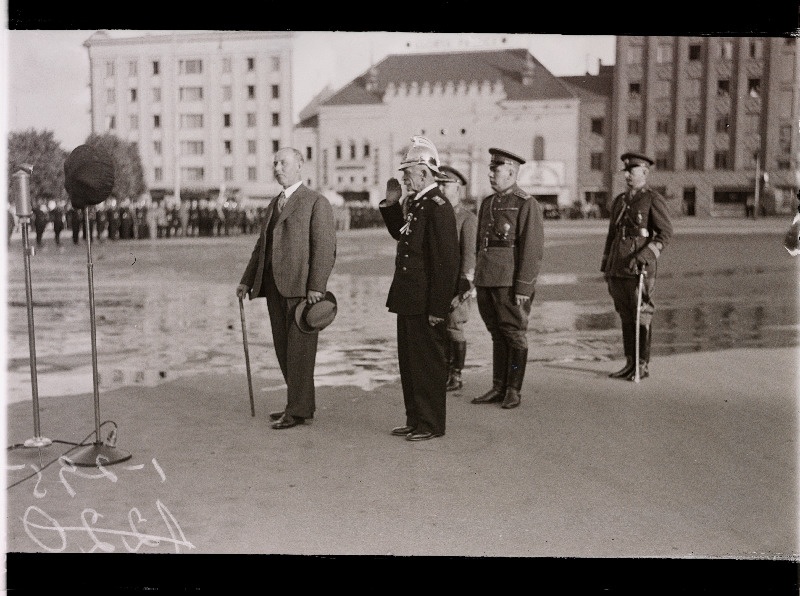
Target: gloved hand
{"x":791,"y":241}
{"x":393,"y":191}
{"x":643,"y":258}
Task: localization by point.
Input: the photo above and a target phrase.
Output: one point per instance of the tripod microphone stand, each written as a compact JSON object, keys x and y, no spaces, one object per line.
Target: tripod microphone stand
{"x":24,"y":211}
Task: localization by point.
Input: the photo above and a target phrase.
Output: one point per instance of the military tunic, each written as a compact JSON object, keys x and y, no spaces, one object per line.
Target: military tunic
{"x":509,"y":251}
{"x":639,"y":225}
{"x":424,"y":283}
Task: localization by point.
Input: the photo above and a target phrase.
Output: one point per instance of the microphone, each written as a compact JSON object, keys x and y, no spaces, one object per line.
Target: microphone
{"x":22,"y":194}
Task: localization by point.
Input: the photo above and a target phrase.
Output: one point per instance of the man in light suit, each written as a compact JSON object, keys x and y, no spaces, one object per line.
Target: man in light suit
{"x":290,"y":266}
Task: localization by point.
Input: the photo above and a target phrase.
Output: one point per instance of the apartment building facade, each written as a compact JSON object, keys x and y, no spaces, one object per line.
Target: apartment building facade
{"x":207,"y":110}
{"x":720,"y":115}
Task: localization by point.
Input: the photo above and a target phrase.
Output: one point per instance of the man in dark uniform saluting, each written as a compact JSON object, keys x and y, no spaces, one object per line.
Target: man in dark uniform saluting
{"x":509,"y":253}
{"x":424,"y":284}
{"x":639,"y":229}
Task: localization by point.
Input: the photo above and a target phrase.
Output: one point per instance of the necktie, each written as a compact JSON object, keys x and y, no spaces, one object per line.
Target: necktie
{"x":281,"y":201}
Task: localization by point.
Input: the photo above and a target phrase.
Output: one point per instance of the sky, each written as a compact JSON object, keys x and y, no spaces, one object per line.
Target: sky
{"x":48,"y":70}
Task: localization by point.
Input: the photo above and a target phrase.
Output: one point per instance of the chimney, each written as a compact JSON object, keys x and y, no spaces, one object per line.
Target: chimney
{"x":527,"y":71}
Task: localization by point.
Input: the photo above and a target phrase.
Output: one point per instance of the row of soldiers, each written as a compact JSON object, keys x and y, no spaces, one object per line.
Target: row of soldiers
{"x":125,"y":220}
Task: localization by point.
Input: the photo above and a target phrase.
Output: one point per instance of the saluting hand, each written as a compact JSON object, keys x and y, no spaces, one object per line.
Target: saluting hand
{"x":393,"y":191}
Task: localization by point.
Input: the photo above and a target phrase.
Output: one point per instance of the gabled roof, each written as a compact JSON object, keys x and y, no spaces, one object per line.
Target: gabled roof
{"x":600,"y":84}
{"x":506,"y":65}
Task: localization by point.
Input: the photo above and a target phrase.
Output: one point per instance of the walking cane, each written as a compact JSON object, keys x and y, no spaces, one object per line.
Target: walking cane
{"x":636,"y":375}
{"x":247,"y":358}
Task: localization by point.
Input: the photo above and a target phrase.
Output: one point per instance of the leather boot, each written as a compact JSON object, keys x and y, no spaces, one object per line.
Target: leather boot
{"x":625,"y":370}
{"x":499,"y":369}
{"x":643,"y":371}
{"x":458,"y":353}
{"x":518,"y":360}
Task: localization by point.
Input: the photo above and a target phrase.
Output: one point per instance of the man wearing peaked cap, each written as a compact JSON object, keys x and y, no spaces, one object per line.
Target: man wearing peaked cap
{"x":423,"y":286}
{"x":639,"y":229}
{"x":510,"y":246}
{"x":452,"y":184}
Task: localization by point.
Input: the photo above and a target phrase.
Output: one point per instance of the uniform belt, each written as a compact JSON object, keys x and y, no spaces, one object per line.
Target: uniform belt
{"x":499,"y":243}
{"x":644,"y":232}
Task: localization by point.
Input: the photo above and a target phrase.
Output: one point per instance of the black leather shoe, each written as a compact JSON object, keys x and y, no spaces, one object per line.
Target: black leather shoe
{"x":492,"y":396}
{"x":279,"y":415}
{"x":288,"y":421}
{"x":422,"y":436}
{"x":402,"y":431}
{"x":511,"y":399}
{"x":624,"y":371}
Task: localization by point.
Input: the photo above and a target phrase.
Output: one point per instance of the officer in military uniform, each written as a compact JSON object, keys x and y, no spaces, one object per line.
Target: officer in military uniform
{"x":510,"y":246}
{"x":452,"y":184}
{"x":424,"y":284}
{"x":639,"y":229}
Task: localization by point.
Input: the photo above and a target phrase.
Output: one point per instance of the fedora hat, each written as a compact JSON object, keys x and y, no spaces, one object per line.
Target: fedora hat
{"x":311,"y":318}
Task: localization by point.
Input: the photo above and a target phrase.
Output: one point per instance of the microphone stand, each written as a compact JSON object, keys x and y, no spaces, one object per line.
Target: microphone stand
{"x":91,"y":455}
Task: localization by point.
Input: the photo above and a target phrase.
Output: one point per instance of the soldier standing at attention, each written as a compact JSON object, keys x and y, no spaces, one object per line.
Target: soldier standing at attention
{"x":424,"y":284}
{"x":452,"y":184}
{"x":510,"y":248}
{"x":639,"y":229}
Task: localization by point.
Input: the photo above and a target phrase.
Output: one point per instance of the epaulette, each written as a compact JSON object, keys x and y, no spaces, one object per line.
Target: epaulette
{"x":518,"y":192}
{"x":437,"y":200}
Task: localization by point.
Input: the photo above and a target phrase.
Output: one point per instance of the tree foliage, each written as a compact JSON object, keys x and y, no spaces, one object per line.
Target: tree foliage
{"x":40,"y":150}
{"x":128,"y":172}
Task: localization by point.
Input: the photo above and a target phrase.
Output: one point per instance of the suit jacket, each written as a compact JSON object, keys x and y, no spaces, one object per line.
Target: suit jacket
{"x":637,"y":224}
{"x":303,"y":246}
{"x":510,"y":242}
{"x":467,"y":226}
{"x":426,"y":265}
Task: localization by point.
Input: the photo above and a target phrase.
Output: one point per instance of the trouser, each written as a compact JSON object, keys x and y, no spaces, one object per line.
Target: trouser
{"x":623,"y":291}
{"x":296,"y":351}
{"x":422,"y":354}
{"x":506,"y":321}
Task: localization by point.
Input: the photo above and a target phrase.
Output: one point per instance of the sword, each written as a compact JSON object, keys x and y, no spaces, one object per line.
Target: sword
{"x":247,"y":358}
{"x":636,"y":374}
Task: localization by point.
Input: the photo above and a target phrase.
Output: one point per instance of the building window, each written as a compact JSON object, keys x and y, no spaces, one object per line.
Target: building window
{"x":276,"y":63}
{"x":132,"y":68}
{"x":276,"y":119}
{"x":226,"y":65}
{"x":192,"y":148}
{"x":692,"y":125}
{"x":191,"y":121}
{"x":366,"y":149}
{"x":662,"y":126}
{"x":251,"y":64}
{"x":111,"y":96}
{"x":338,"y":151}
{"x":134,"y":122}
{"x":227,"y":147}
{"x":726,"y":50}
{"x":721,"y":160}
{"x":110,"y":69}
{"x":111,"y":122}
{"x":754,"y":87}
{"x":723,"y":87}
{"x":251,"y":92}
{"x":190,"y":93}
{"x":227,"y":93}
{"x":156,"y":94}
{"x":352,"y":150}
{"x":664,"y":54}
{"x":251,"y":146}
{"x":226,"y":120}
{"x":156,"y":67}
{"x":633,"y":126}
{"x":662,"y":160}
{"x":157,"y":147}
{"x":156,"y":121}
{"x":756,"y":48}
{"x":251,"y":173}
{"x":276,"y":145}
{"x":308,"y":153}
{"x":634,"y":91}
{"x":158,"y":174}
{"x":190,"y":66}
{"x":784,"y":164}
{"x":192,"y":174}
{"x":635,"y":55}
{"x":597,"y":126}
{"x":723,"y":124}
{"x":692,"y":160}
{"x":276,"y":92}
{"x":227,"y":173}
{"x":596,"y":162}
{"x":695,"y":51}
{"x":251,"y":119}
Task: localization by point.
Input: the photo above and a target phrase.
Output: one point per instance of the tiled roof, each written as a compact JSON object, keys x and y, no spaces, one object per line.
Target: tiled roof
{"x":479,"y":66}
{"x":600,"y":84}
